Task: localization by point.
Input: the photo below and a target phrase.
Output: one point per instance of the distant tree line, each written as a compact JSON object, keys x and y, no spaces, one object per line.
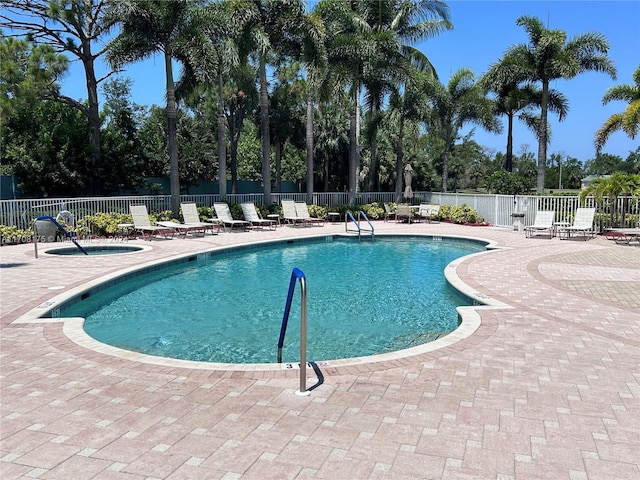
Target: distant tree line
{"x":351,"y":101}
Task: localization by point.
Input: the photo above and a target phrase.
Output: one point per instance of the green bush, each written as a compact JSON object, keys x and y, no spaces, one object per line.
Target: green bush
{"x":374,"y":211}
{"x":318,"y":211}
{"x":465,"y":214}
{"x":104,"y":224}
{"x":459,"y":214}
{"x":11,"y":235}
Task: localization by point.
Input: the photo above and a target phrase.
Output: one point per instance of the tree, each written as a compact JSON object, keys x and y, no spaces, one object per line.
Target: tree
{"x":406,"y":104}
{"x":124,"y":162}
{"x":73,"y":27}
{"x":276,"y":27}
{"x":149,"y":28}
{"x":514,"y":98}
{"x":604,"y":164}
{"x":287,"y":111}
{"x":550,"y":56}
{"x":460,"y":102}
{"x":27,"y":73}
{"x":213,"y":63}
{"x":629,"y":120}
{"x":609,"y":189}
{"x":407,"y":22}
{"x":46,"y":143}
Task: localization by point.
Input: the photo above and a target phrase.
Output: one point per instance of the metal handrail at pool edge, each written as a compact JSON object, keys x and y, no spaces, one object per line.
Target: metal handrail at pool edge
{"x":361,"y":214}
{"x":297,"y":274}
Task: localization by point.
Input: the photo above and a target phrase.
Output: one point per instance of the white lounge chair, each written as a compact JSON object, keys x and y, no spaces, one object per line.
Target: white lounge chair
{"x":623,"y":235}
{"x":428,"y":211}
{"x":302,"y":211}
{"x":224,"y":215}
{"x":251,"y":215}
{"x":290,"y":215}
{"x":543,"y":222}
{"x":191,"y":216}
{"x":142,"y":223}
{"x":582,"y":223}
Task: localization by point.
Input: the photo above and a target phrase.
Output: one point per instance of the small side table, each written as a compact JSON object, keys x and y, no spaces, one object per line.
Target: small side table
{"x":334,"y":217}
{"x":558,"y":225}
{"x":275,"y":217}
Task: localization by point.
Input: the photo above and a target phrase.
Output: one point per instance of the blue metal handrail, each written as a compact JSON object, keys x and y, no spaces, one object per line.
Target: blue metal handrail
{"x":61,"y":228}
{"x":364,"y":215}
{"x":297,"y":274}
{"x":361,"y":214}
{"x":349,"y":216}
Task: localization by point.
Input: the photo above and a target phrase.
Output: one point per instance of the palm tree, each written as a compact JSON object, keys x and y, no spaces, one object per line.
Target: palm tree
{"x":407,"y":22}
{"x":550,"y":56}
{"x":627,"y":121}
{"x":276,"y":30}
{"x":147,"y":28}
{"x":214,"y":61}
{"x":460,"y":102}
{"x":406,"y":104}
{"x":609,"y":189}
{"x":365,"y":48}
{"x":511,"y":97}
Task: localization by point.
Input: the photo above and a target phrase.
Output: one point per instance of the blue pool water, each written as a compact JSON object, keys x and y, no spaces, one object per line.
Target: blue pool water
{"x":364,"y":298}
{"x":94,"y":250}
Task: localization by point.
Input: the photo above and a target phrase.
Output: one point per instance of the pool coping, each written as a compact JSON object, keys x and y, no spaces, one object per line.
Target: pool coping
{"x":72,"y":327}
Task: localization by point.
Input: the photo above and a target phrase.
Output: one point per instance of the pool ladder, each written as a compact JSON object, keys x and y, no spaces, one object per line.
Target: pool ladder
{"x":297,"y":274}
{"x":361,"y":215}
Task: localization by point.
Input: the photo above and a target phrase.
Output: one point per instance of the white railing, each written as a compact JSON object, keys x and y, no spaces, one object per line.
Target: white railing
{"x":494,"y":209}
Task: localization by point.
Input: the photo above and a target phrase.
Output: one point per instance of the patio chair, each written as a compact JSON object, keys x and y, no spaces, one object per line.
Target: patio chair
{"x":251,"y":215}
{"x":543,"y":222}
{"x":388,"y":213}
{"x":289,"y":214}
{"x":428,"y":211}
{"x":191,"y":216}
{"x":302,"y":211}
{"x":404,"y":212}
{"x":142,"y":223}
{"x":582,"y":223}
{"x":224,"y":215}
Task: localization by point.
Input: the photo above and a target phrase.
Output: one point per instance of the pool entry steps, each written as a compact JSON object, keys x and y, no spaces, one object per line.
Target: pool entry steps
{"x":49,"y":218}
{"x":297,"y":274}
{"x":359,"y":229}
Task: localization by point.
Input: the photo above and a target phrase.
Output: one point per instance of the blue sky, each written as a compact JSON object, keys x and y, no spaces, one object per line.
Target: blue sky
{"x":483,"y":30}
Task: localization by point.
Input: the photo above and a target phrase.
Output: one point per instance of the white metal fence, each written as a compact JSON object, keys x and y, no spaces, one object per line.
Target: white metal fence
{"x":494,"y":209}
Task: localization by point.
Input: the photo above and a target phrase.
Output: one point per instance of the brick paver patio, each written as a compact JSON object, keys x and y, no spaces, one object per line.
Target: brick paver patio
{"x":547,"y":387}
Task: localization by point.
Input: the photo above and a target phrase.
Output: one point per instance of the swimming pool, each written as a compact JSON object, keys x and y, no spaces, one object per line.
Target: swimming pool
{"x":363,"y":299}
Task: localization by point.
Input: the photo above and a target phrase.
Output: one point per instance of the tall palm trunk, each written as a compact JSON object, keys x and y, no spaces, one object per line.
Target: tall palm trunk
{"x":373,"y":165}
{"x":445,"y":169}
{"x":222,"y":148}
{"x":353,"y":147}
{"x":309,"y":145}
{"x":174,"y":174}
{"x":509,"y":158}
{"x":399,"y":160}
{"x":264,"y":132}
{"x":542,"y":137}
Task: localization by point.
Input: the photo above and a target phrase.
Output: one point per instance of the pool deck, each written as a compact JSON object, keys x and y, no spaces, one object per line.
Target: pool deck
{"x":547,"y":387}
